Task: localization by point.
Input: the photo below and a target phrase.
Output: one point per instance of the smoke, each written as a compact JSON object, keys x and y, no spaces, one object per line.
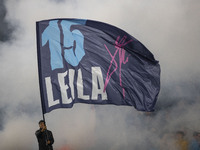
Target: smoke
{"x":169,"y":29}
{"x":5,"y":28}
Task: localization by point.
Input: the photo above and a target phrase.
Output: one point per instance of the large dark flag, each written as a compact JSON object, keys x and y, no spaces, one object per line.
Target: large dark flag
{"x":84,"y":61}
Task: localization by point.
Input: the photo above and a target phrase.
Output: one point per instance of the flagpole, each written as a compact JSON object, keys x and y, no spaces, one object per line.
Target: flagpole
{"x":39,"y":74}
{"x":40,"y":81}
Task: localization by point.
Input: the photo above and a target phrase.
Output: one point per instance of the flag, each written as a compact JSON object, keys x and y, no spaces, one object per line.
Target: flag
{"x":85,"y":61}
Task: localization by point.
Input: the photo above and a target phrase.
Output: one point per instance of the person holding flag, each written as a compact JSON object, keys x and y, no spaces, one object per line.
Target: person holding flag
{"x":44,"y":137}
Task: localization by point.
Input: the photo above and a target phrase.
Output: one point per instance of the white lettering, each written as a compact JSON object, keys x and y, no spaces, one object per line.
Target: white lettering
{"x":71,"y":81}
{"x":80,"y":86}
{"x":63,"y":88}
{"x":97,"y":87}
{"x":97,"y":79}
{"x":51,"y":102}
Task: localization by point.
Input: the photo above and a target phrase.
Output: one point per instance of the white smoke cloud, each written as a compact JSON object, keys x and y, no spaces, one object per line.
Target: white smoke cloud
{"x":169,"y":29}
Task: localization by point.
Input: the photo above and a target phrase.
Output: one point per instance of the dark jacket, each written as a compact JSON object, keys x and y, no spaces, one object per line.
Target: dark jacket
{"x":43,"y":137}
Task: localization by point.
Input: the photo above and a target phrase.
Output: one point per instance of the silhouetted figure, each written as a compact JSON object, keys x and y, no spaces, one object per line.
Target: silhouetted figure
{"x":194,"y":144}
{"x":181,"y":143}
{"x":44,"y":137}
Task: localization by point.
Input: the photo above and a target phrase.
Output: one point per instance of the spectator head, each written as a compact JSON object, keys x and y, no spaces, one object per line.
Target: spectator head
{"x":42,"y":123}
{"x":196,"y":135}
{"x":180,"y":135}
